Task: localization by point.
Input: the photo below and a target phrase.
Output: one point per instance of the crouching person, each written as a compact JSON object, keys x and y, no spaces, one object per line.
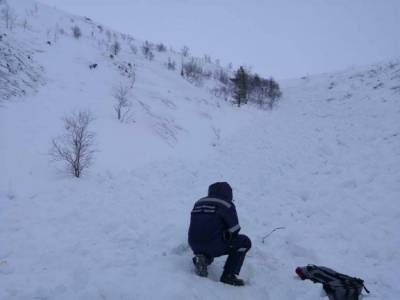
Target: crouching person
{"x":214,"y":231}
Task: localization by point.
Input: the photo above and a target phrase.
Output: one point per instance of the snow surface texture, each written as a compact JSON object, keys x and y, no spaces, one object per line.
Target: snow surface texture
{"x":18,"y":74}
{"x":324,"y":165}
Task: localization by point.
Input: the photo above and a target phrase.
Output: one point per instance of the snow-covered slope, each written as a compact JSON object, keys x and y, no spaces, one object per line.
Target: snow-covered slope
{"x":167,"y":113}
{"x":18,"y":73}
{"x":324,"y":165}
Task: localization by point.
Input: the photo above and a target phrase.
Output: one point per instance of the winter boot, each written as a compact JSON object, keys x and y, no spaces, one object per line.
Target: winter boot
{"x":231,"y":279}
{"x":200,"y":263}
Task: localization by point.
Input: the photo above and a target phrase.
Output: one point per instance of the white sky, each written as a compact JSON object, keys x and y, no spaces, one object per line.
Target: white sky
{"x":282,"y":38}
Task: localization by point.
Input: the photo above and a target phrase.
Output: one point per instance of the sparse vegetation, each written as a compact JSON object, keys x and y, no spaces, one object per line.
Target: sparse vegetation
{"x":264,"y":92}
{"x":253,"y":88}
{"x":171,"y":65}
{"x":193,"y":71}
{"x":115,"y":48}
{"x":9,"y":16}
{"x":147,"y":50}
{"x":75,"y":148}
{"x":122,"y":103}
{"x":185,"y":51}
{"x":222,"y":76}
{"x":207,"y":59}
{"x":161,"y":47}
{"x":76,"y":32}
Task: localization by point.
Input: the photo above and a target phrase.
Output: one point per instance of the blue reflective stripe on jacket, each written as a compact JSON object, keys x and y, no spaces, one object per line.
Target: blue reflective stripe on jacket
{"x":210,"y":217}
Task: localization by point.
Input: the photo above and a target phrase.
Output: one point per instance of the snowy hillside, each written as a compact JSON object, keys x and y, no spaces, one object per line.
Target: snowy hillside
{"x":324,"y":165}
{"x":18,"y":73}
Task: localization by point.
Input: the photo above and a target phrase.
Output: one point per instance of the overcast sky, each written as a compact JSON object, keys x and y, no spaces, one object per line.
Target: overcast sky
{"x":282,"y":38}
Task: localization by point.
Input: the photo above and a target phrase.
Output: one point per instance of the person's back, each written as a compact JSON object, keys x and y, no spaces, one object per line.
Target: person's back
{"x":213,"y":232}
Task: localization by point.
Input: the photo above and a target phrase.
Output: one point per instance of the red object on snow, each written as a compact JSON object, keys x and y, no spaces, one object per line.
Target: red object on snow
{"x":299,"y":271}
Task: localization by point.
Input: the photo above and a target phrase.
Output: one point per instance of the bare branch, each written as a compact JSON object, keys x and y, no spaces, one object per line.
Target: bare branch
{"x":272,"y":231}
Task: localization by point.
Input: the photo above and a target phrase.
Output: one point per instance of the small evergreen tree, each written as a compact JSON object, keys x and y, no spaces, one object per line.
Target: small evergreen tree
{"x":240,"y":86}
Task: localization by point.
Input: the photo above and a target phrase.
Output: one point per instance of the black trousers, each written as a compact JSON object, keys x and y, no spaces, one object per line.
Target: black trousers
{"x":236,"y":250}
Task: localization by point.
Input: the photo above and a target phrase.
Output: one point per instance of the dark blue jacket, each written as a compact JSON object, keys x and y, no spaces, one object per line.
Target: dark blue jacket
{"x":213,"y":217}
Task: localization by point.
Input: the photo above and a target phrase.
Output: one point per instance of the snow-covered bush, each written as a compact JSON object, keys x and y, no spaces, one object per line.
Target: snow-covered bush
{"x":248,"y":87}
{"x":161,"y":47}
{"x":76,"y":32}
{"x":223,"y":91}
{"x":171,"y":65}
{"x":193,"y":71}
{"x":147,"y":50}
{"x":264,"y":92}
{"x":127,"y":70}
{"x":75,"y":148}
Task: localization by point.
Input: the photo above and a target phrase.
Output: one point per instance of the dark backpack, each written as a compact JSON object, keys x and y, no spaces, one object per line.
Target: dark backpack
{"x":337,"y":286}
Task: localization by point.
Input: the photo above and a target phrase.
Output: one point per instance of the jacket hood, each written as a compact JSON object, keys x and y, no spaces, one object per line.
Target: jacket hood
{"x":220,"y":190}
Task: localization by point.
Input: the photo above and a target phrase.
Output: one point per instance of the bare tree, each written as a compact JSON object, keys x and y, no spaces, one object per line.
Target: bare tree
{"x":115,"y":48}
{"x":25,"y":24}
{"x":171,"y":65}
{"x":263,"y":91}
{"x":185,"y":51}
{"x":122,"y":103}
{"x":150,"y":56}
{"x":76,"y":146}
{"x":131,"y":75}
{"x":35,"y":8}
{"x":56,"y":33}
{"x":207,"y":59}
{"x":9,"y":16}
{"x":222,"y":76}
